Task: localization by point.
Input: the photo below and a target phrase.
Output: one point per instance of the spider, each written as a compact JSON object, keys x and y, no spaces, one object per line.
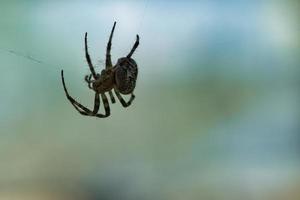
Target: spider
{"x":121,"y":78}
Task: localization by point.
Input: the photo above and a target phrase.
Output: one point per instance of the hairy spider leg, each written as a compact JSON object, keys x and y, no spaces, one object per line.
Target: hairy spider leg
{"x":85,"y":111}
{"x":123,"y":102}
{"x":136,"y":44}
{"x":88,"y":59}
{"x":106,"y":104}
{"x":108,"y":62}
{"x":112,"y":98}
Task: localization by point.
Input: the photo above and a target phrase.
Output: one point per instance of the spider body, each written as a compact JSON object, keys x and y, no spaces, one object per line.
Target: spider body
{"x":121,"y":78}
{"x":104,"y":82}
{"x":126,"y":72}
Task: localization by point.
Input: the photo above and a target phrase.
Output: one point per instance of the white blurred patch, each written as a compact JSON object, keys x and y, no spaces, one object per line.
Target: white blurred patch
{"x":279,"y":25}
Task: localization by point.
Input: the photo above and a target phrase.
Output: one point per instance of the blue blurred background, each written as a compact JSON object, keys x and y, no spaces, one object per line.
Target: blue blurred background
{"x":216,"y":114}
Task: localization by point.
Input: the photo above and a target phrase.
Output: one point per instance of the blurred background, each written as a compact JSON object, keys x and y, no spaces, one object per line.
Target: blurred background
{"x":216,"y":114}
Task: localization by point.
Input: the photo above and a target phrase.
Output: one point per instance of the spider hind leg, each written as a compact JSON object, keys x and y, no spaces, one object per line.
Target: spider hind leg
{"x":136,"y":44}
{"x":122,"y":101}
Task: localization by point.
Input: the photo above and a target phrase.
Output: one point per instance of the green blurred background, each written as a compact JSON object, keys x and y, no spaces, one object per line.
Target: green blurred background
{"x":216,"y":114}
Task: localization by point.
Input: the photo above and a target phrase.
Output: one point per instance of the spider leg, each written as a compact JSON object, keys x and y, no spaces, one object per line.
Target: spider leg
{"x":95,"y":110}
{"x":106,"y":105}
{"x":112,"y":98}
{"x":96,"y":104}
{"x":136,"y":44}
{"x":123,"y":102}
{"x":108,"y":62}
{"x":71,"y":99}
{"x":88,"y":59}
{"x":77,"y":105}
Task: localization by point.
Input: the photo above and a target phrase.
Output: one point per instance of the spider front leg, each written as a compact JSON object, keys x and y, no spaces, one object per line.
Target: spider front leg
{"x":108,"y":62}
{"x":76,"y":105}
{"x":88,"y":59}
{"x":122,"y":101}
{"x":72,"y":100}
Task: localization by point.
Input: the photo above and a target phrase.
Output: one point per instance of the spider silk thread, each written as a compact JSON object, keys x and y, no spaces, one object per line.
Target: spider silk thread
{"x":28,"y":57}
{"x":41,"y":62}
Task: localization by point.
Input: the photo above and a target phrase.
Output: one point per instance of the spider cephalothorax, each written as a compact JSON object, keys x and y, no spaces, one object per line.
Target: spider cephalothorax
{"x":121,"y":78}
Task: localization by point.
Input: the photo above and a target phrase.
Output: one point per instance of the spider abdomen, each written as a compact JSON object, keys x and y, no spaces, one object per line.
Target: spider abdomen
{"x":126,"y":75}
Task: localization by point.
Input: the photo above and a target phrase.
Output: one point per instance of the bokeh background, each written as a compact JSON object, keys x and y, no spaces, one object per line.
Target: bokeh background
{"x":216,"y":114}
